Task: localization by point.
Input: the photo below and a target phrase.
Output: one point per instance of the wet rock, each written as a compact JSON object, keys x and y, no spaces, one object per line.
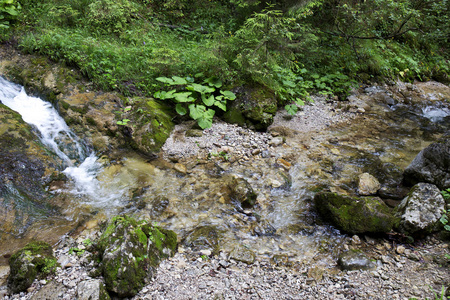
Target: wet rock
{"x":354,"y":214}
{"x":276,"y":141}
{"x":194,"y":133}
{"x":130,"y":252}
{"x":431,"y":165}
{"x":368,"y":184}
{"x":33,"y":261}
{"x":241,"y":192}
{"x":93,"y":289}
{"x":180,"y":168}
{"x":355,"y":260}
{"x":421,"y":209}
{"x":204,"y":237}
{"x":241,"y":253}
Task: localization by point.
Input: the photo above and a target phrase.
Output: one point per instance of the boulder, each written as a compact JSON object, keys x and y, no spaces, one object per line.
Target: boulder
{"x":243,"y":254}
{"x":431,"y":165}
{"x":368,"y":184}
{"x":255,"y":106}
{"x":355,"y":214}
{"x":92,"y":289}
{"x":151,"y":124}
{"x":421,"y":209}
{"x":130,"y":252}
{"x":35,"y":260}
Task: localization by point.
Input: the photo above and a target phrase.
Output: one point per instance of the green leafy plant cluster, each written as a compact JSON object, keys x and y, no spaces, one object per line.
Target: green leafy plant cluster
{"x":9,"y":10}
{"x":197,"y":99}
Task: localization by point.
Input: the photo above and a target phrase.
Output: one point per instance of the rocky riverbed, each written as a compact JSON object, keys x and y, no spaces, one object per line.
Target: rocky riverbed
{"x":393,"y":269}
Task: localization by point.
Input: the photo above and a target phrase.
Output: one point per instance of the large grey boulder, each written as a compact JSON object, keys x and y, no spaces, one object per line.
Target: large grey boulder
{"x":421,"y":209}
{"x":431,"y":165}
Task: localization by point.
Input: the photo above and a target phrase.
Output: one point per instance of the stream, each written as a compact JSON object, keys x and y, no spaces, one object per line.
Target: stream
{"x":382,"y":140}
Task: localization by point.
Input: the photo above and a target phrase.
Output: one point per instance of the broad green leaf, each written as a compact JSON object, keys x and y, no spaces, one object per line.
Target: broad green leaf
{"x":165,"y":80}
{"x":289,"y":83}
{"x":299,"y":101}
{"x":291,"y":109}
{"x":203,"y":89}
{"x":184,"y":97}
{"x":228,"y":95}
{"x":208,"y":100}
{"x":222,"y":104}
{"x":181,"y":110}
{"x":196,"y":111}
{"x":178,"y":80}
{"x":213,"y":81}
{"x":205,"y":121}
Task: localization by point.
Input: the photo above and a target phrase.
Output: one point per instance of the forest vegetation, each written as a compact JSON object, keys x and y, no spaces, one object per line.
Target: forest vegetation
{"x":290,"y":48}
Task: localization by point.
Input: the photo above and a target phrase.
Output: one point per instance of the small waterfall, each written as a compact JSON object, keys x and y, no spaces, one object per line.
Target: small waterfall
{"x":82,"y":164}
{"x":53,"y":130}
{"x":435,"y":114}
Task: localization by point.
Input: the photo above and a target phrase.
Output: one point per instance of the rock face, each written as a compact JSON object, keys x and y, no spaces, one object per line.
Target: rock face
{"x":26,"y":167}
{"x":431,"y":165}
{"x":34,"y":260}
{"x":353,"y":214}
{"x":130,"y":252}
{"x":421,"y":209}
{"x":368,"y":185}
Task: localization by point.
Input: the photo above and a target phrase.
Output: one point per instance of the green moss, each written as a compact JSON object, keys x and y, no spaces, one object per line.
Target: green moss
{"x":355,"y":215}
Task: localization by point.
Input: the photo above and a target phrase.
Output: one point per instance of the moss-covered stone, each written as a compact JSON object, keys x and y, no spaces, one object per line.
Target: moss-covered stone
{"x":254,"y":105}
{"x":32,"y":261}
{"x":204,"y":237}
{"x":150,"y":125}
{"x":130,"y":252}
{"x":355,"y":214}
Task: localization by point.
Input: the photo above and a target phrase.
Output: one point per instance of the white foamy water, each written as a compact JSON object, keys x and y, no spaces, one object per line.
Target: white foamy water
{"x":83,"y":168}
{"x":52,"y":128}
{"x":435,"y":114}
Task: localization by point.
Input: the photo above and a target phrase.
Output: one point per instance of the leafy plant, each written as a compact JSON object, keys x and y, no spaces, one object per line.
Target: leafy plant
{"x":124,"y":121}
{"x":197,"y":99}
{"x":9,"y":9}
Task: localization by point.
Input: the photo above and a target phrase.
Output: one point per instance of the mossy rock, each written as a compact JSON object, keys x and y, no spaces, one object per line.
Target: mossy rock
{"x":130,"y":252}
{"x":355,"y":214}
{"x":254,"y":105}
{"x":150,"y":125}
{"x":35,"y":260}
{"x":204,"y":237}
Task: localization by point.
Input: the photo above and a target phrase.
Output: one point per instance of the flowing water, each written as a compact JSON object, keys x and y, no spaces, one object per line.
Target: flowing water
{"x":283,"y":226}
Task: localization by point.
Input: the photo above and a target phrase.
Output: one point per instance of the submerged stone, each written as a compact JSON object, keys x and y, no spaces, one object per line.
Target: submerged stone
{"x":241,"y":192}
{"x":243,"y":254}
{"x":355,"y":260}
{"x":355,"y":214}
{"x":32,"y":261}
{"x":130,"y":252}
{"x":421,"y":209}
{"x":204,"y":237}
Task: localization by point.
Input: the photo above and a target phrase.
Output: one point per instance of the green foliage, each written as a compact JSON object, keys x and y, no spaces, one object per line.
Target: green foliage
{"x":123,"y":121}
{"x":196,"y":98}
{"x":446,"y":194}
{"x":9,"y":10}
